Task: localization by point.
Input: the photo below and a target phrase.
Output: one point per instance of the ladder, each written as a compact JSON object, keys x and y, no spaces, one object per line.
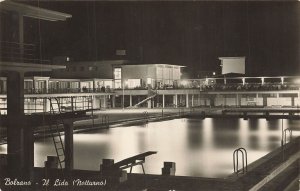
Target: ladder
{"x":55,"y":133}
{"x":243,"y":152}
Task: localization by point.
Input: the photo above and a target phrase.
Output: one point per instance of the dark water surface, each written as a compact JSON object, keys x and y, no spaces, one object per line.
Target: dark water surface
{"x":199,"y":147}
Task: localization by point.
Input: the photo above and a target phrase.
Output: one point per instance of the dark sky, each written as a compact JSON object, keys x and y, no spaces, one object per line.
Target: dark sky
{"x":193,"y":34}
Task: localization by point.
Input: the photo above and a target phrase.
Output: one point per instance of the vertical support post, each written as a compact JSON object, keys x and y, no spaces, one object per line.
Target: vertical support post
{"x":187,"y":100}
{"x":282,"y":131}
{"x":238,"y":100}
{"x":69,"y":154}
{"x":149,"y":102}
{"x":94,"y":103}
{"x":123,"y":96}
{"x":176,"y":100}
{"x":34,"y":86}
{"x":47,"y":86}
{"x":113,"y":101}
{"x":192,"y":100}
{"x":45,"y":105}
{"x":130,"y":100}
{"x":28,"y":152}
{"x":163,"y":101}
{"x":94,"y":86}
{"x":19,"y":135}
{"x":104,"y":101}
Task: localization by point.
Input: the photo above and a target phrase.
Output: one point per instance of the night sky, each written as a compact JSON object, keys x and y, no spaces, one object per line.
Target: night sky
{"x":193,"y":34}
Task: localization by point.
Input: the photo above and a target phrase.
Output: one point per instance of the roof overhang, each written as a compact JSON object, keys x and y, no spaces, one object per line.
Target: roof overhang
{"x":27,"y":67}
{"x":34,"y":12}
{"x":162,"y":65}
{"x":224,"y":58}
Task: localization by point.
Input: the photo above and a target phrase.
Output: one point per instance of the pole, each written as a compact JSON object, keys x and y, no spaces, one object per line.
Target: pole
{"x":282,"y":131}
{"x":123,"y":96}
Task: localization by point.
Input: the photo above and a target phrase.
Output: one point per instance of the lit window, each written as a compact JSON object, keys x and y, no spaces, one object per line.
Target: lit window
{"x":118,"y":84}
{"x":117,"y":73}
{"x":90,"y":68}
{"x":133,"y":83}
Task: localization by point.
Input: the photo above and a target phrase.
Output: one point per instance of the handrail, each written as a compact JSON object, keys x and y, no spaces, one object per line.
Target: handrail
{"x":236,"y":160}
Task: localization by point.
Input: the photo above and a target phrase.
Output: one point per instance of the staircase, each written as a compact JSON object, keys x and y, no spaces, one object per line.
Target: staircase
{"x":147,"y":99}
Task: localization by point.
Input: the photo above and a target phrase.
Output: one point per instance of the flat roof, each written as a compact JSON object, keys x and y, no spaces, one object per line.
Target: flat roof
{"x":90,"y":63}
{"x":34,"y":12}
{"x":238,"y":57}
{"x":172,"y":65}
{"x":27,"y":67}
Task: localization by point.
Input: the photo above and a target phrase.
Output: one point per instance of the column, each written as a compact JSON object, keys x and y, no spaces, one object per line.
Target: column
{"x":192,"y":100}
{"x":176,"y":100}
{"x":69,"y":145}
{"x":105,"y":101}
{"x":94,"y":102}
{"x":45,"y":108}
{"x":238,"y":100}
{"x":149,"y":103}
{"x":94,"y":86}
{"x":130,"y":100}
{"x":113,"y":101}
{"x":19,"y":136}
{"x":187,"y":100}
{"x":33,"y":85}
{"x":163,"y":100}
{"x":47,"y":85}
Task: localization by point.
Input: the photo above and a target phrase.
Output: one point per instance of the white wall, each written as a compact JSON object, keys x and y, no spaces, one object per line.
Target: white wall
{"x":155,"y":72}
{"x":233,"y":65}
{"x":257,"y":101}
{"x":231,"y":101}
{"x":297,"y":101}
{"x":279,"y":101}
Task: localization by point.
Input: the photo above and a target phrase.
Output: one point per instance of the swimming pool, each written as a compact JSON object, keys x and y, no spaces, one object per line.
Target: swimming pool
{"x":200,"y":148}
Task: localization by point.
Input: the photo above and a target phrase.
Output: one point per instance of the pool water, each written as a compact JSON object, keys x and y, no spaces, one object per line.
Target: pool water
{"x":202,"y":148}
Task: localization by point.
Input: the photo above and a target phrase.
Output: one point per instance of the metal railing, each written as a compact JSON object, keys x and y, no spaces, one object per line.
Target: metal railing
{"x":236,"y":160}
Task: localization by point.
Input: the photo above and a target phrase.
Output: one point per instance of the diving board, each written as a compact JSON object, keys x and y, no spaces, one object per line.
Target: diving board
{"x":127,"y":163}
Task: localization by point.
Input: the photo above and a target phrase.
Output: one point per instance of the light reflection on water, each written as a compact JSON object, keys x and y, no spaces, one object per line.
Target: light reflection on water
{"x":199,"y":147}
